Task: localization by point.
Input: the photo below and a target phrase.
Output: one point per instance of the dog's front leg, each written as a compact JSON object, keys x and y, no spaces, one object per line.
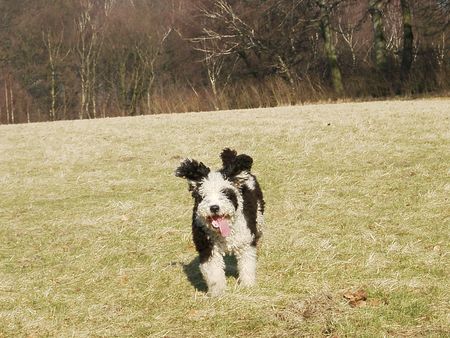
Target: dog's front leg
{"x":213,"y":271}
{"x":246,"y":260}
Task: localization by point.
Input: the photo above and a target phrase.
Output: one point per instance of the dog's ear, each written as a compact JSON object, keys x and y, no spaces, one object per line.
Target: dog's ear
{"x":193,"y":171}
{"x":242,"y":163}
{"x":228,"y":156}
{"x":236,"y":168}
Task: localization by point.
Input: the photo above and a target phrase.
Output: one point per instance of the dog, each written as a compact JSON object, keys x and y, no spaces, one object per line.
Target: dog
{"x":227,"y":217}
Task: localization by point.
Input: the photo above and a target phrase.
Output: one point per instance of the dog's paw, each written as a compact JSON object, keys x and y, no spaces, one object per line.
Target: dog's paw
{"x":216,"y":292}
{"x":247,"y":282}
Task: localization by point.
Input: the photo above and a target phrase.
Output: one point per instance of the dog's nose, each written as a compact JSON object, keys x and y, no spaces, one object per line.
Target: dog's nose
{"x":214,"y":209}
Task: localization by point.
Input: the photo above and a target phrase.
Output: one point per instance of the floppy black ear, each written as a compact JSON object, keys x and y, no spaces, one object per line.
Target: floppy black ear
{"x":228,"y":156}
{"x":242,"y":162}
{"x":233,"y":165}
{"x":192,"y":170}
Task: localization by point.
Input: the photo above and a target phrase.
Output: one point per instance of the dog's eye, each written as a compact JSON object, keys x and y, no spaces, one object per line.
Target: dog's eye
{"x":231,"y":196}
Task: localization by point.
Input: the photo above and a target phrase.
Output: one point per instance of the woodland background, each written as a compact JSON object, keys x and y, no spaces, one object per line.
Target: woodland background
{"x":78,"y":59}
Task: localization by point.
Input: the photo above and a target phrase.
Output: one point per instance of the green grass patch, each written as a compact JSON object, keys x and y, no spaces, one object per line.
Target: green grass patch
{"x":95,"y":228}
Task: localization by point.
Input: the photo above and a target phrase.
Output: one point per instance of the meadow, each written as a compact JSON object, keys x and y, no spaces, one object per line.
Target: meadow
{"x":95,"y":236}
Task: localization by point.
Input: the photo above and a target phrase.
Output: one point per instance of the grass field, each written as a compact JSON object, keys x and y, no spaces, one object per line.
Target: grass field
{"x":95,"y":229}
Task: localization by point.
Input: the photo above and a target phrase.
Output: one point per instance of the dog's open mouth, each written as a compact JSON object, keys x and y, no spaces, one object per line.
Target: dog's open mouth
{"x":221,"y":223}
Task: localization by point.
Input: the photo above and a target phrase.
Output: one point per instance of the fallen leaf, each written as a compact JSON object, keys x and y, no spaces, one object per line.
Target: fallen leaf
{"x":357,"y":298}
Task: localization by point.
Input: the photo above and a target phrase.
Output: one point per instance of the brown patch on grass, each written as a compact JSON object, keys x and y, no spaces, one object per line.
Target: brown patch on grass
{"x":318,"y":311}
{"x":356,"y":298}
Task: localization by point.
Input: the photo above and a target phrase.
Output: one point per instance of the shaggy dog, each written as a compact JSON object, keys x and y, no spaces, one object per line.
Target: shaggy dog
{"x":227,"y":217}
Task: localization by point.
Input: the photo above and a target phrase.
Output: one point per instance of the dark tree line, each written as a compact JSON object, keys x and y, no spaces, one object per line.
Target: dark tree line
{"x":78,"y":59}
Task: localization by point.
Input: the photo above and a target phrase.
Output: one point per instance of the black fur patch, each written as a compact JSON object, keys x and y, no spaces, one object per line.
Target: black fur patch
{"x":202,"y":242}
{"x":250,"y":208}
{"x":192,"y":170}
{"x":231,"y":195}
{"x":234,"y":165}
{"x":259,"y":195}
{"x":228,"y":156}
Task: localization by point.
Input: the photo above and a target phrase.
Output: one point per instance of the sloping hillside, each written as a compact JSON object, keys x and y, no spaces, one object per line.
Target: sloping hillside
{"x":95,"y":229}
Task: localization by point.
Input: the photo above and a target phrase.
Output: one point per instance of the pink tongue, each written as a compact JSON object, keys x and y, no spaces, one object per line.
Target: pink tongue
{"x":222,"y":224}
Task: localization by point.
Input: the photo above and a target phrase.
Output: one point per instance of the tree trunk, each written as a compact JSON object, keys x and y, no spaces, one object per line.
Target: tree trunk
{"x":407,"y":53}
{"x":28,"y":113}
{"x":6,"y":103}
{"x":83,"y":95}
{"x":379,"y":39}
{"x":12,"y":105}
{"x":330,"y":51}
{"x":53,"y":43}
{"x":53,"y":92}
{"x":93,"y":89}
{"x":88,"y":48}
{"x":53,"y":51}
{"x":97,"y":46}
{"x":284,"y":69}
{"x":64,"y":99}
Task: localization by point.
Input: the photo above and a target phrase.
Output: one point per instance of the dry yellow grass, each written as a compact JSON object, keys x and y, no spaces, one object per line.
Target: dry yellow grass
{"x":95,"y":229}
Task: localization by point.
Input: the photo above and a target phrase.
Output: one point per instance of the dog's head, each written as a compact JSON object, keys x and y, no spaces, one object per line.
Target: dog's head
{"x":218,"y":193}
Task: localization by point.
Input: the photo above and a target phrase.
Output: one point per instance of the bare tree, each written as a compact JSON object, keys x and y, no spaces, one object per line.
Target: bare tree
{"x":7,"y":103}
{"x":379,"y":44}
{"x":149,"y":57}
{"x":347,"y":33}
{"x":326,"y":9}
{"x":88,"y":47}
{"x":53,"y":43}
{"x":229,"y":34}
{"x":408,"y":39}
{"x":135,"y":70}
{"x":393,"y":29}
{"x":12,"y":104}
{"x":216,"y":66}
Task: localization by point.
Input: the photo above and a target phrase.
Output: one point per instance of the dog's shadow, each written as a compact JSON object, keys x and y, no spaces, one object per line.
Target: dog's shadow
{"x":194,"y":275}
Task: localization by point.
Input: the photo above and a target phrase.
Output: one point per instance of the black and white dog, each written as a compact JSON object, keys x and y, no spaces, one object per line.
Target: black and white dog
{"x":227,"y":216}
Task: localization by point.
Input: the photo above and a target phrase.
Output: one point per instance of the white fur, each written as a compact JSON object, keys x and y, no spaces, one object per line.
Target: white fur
{"x":213,"y":272}
{"x":247,"y":265}
{"x":250,"y":182}
{"x":237,"y":243}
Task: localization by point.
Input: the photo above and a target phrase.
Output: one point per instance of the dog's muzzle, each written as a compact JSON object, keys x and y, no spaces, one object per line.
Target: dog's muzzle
{"x":221,"y":223}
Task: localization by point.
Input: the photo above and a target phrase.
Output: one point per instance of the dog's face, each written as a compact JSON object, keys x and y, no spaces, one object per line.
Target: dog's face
{"x":218,"y":200}
{"x":217,"y":194}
